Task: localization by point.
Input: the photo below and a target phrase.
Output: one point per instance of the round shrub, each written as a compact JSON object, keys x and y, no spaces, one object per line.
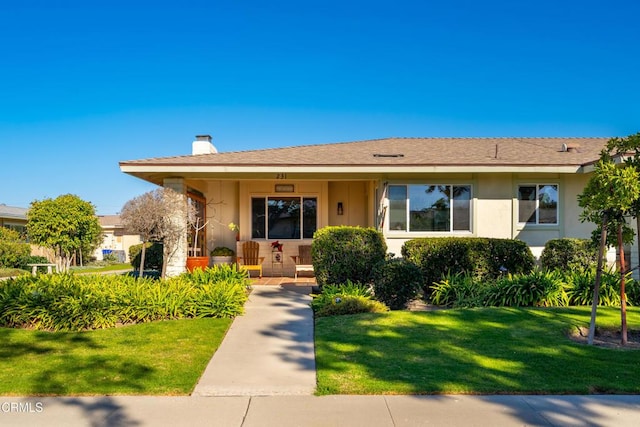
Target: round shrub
{"x":344,"y":253}
{"x":400,"y":282}
{"x":569,"y":254}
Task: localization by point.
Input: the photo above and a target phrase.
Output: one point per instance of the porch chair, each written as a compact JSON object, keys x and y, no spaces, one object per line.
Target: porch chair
{"x":303,"y":259}
{"x":251,"y":259}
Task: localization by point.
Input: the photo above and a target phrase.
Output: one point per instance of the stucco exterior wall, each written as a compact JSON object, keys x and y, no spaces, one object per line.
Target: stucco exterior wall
{"x":354,"y":196}
{"x":222,"y":209}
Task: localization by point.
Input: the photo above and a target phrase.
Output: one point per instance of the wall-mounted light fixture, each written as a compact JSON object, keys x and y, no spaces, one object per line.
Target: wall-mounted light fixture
{"x":340,"y":209}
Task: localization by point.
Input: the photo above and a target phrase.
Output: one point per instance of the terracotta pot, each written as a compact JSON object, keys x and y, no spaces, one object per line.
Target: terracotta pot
{"x":200,"y":262}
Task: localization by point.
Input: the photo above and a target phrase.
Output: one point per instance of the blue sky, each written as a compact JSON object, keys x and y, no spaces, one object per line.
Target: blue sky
{"x":84,"y":85}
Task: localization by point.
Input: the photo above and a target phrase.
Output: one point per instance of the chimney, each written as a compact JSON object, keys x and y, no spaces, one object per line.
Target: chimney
{"x":203,"y":145}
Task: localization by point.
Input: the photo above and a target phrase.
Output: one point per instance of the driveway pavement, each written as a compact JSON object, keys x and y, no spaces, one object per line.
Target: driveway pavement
{"x":267,"y":351}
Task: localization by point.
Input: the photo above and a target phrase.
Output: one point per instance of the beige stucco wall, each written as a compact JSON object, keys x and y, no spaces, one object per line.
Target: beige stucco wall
{"x":354,"y":196}
{"x":495,"y":208}
{"x":221,"y":209}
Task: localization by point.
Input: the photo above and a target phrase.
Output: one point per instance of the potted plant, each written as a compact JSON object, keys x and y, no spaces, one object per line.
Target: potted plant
{"x":234,"y":227}
{"x":222,"y":255}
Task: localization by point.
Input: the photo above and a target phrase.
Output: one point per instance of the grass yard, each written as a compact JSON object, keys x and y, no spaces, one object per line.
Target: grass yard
{"x":101,"y":269}
{"x":10,"y":272}
{"x":158,"y":358}
{"x":469,"y":351}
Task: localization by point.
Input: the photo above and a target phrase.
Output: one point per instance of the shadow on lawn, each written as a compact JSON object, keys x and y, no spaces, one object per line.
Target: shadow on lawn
{"x":484,"y":351}
{"x":47,"y":367}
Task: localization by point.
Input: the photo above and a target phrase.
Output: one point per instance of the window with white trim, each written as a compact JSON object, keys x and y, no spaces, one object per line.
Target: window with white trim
{"x":538,"y":204}
{"x":283,"y":217}
{"x":429,"y":208}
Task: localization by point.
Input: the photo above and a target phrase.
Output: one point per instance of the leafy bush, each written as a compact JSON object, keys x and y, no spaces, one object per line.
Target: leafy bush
{"x":152,"y":257}
{"x":400,"y":282}
{"x":580,"y":288}
{"x":32,"y":259}
{"x":347,"y":253}
{"x":222,"y":251}
{"x":569,"y":255}
{"x":69,"y":302}
{"x":481,"y":257}
{"x":537,"y":289}
{"x":13,"y":251}
{"x":458,"y":290}
{"x":348,"y":298}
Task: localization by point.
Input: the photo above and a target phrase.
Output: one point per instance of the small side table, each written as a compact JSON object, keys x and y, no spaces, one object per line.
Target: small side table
{"x":277,"y":260}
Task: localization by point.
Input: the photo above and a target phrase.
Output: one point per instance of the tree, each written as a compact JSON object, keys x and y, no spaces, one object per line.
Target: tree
{"x":158,"y":215}
{"x":144,"y":215}
{"x":65,"y":224}
{"x":608,"y":197}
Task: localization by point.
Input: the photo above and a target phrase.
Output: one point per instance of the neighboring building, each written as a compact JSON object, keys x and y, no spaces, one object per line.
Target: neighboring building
{"x":116,"y":239}
{"x":14,"y":218}
{"x":522,"y":188}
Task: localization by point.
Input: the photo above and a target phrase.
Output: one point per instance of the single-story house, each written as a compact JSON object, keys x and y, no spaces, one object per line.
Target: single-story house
{"x":116,"y":239}
{"x":14,"y":218}
{"x":522,"y":188}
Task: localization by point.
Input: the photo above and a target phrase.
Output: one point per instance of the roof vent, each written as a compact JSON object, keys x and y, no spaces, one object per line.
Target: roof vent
{"x":571,"y":147}
{"x":388,"y":155}
{"x":203,"y":145}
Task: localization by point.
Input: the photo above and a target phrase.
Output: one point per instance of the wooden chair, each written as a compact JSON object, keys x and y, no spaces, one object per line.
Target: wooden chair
{"x":251,"y":259}
{"x":303,"y":259}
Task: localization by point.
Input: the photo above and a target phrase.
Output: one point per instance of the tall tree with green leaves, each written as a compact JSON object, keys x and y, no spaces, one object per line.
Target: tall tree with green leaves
{"x":607,"y":199}
{"x":65,"y":224}
{"x":628,"y":150}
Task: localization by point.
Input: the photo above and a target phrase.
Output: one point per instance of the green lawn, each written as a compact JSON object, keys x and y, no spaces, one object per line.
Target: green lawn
{"x":10,"y":272}
{"x":94,"y":269}
{"x":159,"y":358}
{"x":487,"y":350}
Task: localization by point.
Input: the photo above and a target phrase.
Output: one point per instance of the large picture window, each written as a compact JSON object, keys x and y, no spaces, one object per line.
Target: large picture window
{"x":283,"y":217}
{"x":538,"y":204}
{"x":430,"y":208}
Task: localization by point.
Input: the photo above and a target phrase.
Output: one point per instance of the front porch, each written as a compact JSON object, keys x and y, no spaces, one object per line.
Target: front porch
{"x":280,"y":281}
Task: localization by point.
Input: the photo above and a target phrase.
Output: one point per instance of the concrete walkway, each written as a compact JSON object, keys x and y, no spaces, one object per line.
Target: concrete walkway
{"x":267,"y":351}
{"x":284,"y":411}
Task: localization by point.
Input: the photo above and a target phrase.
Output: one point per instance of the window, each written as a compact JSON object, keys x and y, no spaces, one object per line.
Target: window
{"x":430,"y":208}
{"x":283,"y":217}
{"x":538,"y":204}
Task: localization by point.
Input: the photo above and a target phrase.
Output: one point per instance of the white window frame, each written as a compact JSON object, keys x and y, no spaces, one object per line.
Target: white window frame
{"x":537,"y":186}
{"x":407,"y":231}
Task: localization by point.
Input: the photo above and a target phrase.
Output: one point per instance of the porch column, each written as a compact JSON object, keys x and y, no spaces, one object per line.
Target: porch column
{"x":177,"y":251}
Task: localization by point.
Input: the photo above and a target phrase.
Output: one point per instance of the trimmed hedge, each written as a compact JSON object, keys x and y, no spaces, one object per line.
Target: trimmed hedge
{"x":341,"y":253}
{"x":72,"y":303}
{"x":568,"y":254}
{"x":399,"y":283}
{"x":480,"y":257}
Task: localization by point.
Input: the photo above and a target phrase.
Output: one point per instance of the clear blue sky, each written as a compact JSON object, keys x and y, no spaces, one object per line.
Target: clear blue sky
{"x":84,"y":85}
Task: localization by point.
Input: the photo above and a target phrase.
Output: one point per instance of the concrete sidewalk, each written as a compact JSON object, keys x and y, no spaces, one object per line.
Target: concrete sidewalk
{"x":284,"y":411}
{"x":267,"y":351}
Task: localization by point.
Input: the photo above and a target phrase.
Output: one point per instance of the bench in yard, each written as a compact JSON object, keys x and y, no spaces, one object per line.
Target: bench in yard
{"x":34,"y":268}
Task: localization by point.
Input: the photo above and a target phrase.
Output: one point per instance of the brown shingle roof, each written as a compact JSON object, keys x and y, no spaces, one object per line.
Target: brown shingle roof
{"x":404,"y":151}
